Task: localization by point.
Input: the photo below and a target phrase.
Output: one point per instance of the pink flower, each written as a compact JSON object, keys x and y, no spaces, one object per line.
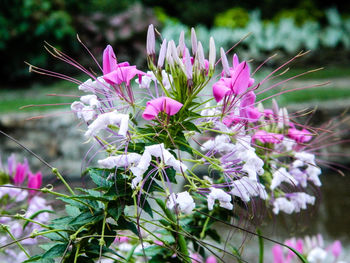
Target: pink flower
{"x":34,"y":181}
{"x":164,"y":104}
{"x":267,"y":137}
{"x":237,"y":84}
{"x":122,"y":239}
{"x":336,"y":248}
{"x":300,"y":136}
{"x":247,"y":110}
{"x":196,"y":258}
{"x":114,"y":73}
{"x":21,"y":173}
{"x":211,"y":259}
{"x":278,"y":256}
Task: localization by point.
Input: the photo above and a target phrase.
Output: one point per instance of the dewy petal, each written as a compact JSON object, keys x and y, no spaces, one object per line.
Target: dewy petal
{"x":91,"y":100}
{"x":109,"y":60}
{"x":109,"y":118}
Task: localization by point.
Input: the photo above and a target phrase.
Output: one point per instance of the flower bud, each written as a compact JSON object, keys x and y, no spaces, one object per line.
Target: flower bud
{"x":212,"y":53}
{"x":151,"y":41}
{"x":169,"y":57}
{"x":224,"y":62}
{"x":162,"y":53}
{"x":188,"y":64}
{"x":181,"y":46}
{"x":200,"y":56}
{"x":194,"y":41}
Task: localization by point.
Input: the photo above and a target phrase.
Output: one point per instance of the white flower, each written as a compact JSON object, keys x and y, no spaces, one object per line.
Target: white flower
{"x":245,"y":188}
{"x":95,"y":86}
{"x":317,"y":255}
{"x":282,"y":204}
{"x":91,"y":100}
{"x":109,"y":118}
{"x":156,"y":150}
{"x":223,"y":197}
{"x":146,"y":80}
{"x":281,"y":175}
{"x":86,"y":113}
{"x":300,"y":200}
{"x":184,"y":200}
{"x":119,"y":160}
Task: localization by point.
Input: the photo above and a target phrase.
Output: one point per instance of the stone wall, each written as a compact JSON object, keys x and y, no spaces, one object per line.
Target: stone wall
{"x":60,"y":141}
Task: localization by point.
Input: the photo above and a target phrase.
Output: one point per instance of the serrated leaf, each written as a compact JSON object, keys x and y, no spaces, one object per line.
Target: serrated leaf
{"x":98,"y":176}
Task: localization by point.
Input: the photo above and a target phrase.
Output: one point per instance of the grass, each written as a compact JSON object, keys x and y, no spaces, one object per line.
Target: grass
{"x":11,"y":100}
{"x":318,"y":94}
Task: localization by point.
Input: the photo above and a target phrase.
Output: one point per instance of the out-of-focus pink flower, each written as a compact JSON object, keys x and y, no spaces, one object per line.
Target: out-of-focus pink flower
{"x":196,"y":258}
{"x":300,"y":136}
{"x":162,"y":104}
{"x":21,"y":173}
{"x":34,"y":181}
{"x":11,"y":164}
{"x":336,"y":248}
{"x":277,"y":253}
{"x":267,"y":137}
{"x":247,"y":110}
{"x":211,"y":259}
{"x":122,"y":239}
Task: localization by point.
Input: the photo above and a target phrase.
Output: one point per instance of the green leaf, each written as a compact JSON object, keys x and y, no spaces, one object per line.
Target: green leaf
{"x":72,"y":211}
{"x":39,"y":259}
{"x":190,"y":126}
{"x":125,"y":224}
{"x":99,"y":176}
{"x":87,"y":218}
{"x":171,"y":173}
{"x":213,"y":234}
{"x":115,"y":209}
{"x":55,"y":251}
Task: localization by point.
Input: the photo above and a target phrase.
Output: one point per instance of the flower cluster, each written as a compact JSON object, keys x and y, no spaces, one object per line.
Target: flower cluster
{"x":16,"y":178}
{"x":313,"y":248}
{"x":164,"y":125}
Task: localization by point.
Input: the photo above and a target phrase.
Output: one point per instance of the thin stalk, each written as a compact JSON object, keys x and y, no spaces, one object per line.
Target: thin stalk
{"x":6,"y":228}
{"x":59,"y":176}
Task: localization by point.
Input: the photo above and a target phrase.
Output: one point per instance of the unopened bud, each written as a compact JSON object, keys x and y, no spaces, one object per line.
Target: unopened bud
{"x":224,"y":62}
{"x":151,"y":41}
{"x":194,"y":41}
{"x":200,"y":56}
{"x":212,"y":53}
{"x":169,"y":57}
{"x":162,"y":53}
{"x":188,"y":64}
{"x":275,"y":107}
{"x":181,"y":46}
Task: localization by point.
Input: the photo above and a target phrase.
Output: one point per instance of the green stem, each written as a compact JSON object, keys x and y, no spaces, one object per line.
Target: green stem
{"x":180,"y":238}
{"x":202,"y":234}
{"x":77,"y":253}
{"x":59,"y":176}
{"x":6,"y":228}
{"x":261,"y":246}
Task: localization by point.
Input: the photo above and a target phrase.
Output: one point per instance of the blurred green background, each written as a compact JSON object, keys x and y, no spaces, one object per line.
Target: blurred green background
{"x":283,"y":27}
